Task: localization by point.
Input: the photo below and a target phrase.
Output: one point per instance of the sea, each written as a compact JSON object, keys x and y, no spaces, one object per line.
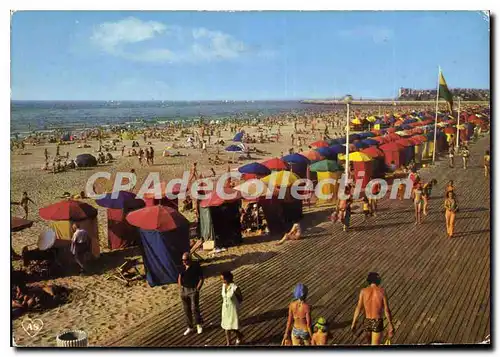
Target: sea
{"x":28,"y":116}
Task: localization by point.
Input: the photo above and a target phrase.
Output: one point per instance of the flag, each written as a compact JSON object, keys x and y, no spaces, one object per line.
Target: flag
{"x":444,"y":92}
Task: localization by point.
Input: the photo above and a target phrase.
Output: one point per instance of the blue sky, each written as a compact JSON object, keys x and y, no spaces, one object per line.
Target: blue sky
{"x":242,"y":56}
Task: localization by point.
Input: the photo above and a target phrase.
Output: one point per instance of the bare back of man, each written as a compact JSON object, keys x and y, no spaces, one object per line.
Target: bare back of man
{"x":374,"y":303}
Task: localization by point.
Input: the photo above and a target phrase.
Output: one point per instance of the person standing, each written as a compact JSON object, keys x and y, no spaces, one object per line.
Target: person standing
{"x":486,"y":163}
{"x":24,"y":203}
{"x":321,"y":334}
{"x":465,"y":156}
{"x":231,"y":300}
{"x":344,"y":208}
{"x":373,"y":200}
{"x":190,"y":281}
{"x":451,"y":208}
{"x":151,"y":155}
{"x":80,"y":246}
{"x":299,"y":318}
{"x":426,"y":194}
{"x":451,"y":156}
{"x":373,"y":301}
{"x":418,"y":202}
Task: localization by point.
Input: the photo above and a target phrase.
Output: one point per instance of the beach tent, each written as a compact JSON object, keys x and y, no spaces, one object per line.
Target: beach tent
{"x":378,"y":160}
{"x":311,"y":155}
{"x":275,"y":164}
{"x":121,"y":234}
{"x":219,"y":218}
{"x":297,"y":163}
{"x":320,"y":144}
{"x":280,"y":178}
{"x":393,"y":152}
{"x":238,"y":137}
{"x":63,"y":214}
{"x":86,"y":160}
{"x":337,"y":149}
{"x":255,"y":169}
{"x":361,"y":163}
{"x":370,"y":142}
{"x":419,"y":142}
{"x":327,"y":169}
{"x":164,"y":238}
{"x":169,"y":197}
{"x":234,"y":148}
{"x":327,"y":152}
{"x":409,"y":150}
{"x":66,"y":137}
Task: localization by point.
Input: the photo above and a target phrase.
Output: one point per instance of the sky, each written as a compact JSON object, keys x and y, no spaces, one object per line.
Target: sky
{"x":140,"y":55}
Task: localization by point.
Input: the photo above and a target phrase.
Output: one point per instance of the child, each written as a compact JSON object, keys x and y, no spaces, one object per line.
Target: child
{"x":321,"y":334}
{"x":366,"y":208}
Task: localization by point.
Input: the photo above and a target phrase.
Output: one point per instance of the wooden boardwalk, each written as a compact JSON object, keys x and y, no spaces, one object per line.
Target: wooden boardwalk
{"x":438,"y":289}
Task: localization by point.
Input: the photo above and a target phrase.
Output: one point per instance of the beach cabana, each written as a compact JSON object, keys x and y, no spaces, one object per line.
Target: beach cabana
{"x":219,"y":218}
{"x":239,"y":137}
{"x":378,"y":160}
{"x":361,"y":163}
{"x":409,"y":150}
{"x":370,"y":142}
{"x":297,"y":163}
{"x":64,"y":213}
{"x":327,"y":153}
{"x":311,"y":155}
{"x":168,"y":196}
{"x":393,"y":152}
{"x":86,"y":160}
{"x":327,"y":169}
{"x":164,"y":238}
{"x":320,"y":144}
{"x":121,"y":234}
{"x":276,"y":164}
{"x":253,"y":170}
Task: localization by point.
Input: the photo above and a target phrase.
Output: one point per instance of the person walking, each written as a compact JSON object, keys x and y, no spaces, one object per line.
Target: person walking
{"x":190,"y":281}
{"x":25,"y":200}
{"x":451,"y":156}
{"x":426,"y":194}
{"x":231,"y":301}
{"x":298,"y":325}
{"x":451,"y":208}
{"x":465,"y":156}
{"x":418,"y":201}
{"x":373,"y":301}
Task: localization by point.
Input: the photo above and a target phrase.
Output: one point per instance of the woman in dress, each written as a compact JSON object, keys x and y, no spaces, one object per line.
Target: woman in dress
{"x":451,"y":208}
{"x":231,"y":300}
{"x":299,"y":318}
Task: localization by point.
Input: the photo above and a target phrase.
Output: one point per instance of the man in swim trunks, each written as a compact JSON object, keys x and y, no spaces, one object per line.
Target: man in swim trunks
{"x":374,"y":302}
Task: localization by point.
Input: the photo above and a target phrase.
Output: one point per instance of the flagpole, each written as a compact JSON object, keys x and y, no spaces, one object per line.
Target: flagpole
{"x":458,"y":123}
{"x":436,"y":119}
